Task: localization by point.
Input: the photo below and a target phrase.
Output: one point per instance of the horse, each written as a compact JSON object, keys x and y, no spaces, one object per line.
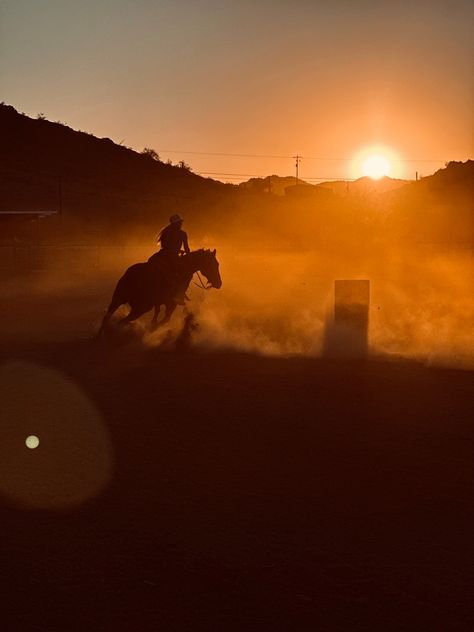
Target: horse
{"x":145,"y":286}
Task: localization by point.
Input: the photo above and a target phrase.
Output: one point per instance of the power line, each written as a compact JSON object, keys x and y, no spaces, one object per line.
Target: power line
{"x":244,"y":175}
{"x":266,"y":176}
{"x":235,"y":155}
{"x":214,"y":153}
{"x":334,"y":178}
{"x":391,"y":159}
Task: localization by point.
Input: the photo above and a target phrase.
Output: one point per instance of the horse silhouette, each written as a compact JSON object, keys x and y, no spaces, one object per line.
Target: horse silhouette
{"x":146,"y":286}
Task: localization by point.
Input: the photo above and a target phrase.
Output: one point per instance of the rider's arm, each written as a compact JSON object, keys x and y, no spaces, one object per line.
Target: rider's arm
{"x":185,"y":243}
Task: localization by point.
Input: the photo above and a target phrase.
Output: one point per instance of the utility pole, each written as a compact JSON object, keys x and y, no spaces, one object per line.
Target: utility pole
{"x":297,"y":163}
{"x":270,"y":184}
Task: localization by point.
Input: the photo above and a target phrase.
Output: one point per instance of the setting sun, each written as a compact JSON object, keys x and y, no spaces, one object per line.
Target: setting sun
{"x":376,"y":161}
{"x":376,"y":167}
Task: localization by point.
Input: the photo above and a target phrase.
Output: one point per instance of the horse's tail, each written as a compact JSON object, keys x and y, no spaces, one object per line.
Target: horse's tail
{"x":118,"y":297}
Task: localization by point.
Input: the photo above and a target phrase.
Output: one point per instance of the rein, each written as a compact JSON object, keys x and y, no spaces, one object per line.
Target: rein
{"x":201,"y":284}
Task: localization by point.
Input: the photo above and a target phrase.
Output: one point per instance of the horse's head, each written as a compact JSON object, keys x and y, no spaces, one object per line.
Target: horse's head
{"x":209,"y":267}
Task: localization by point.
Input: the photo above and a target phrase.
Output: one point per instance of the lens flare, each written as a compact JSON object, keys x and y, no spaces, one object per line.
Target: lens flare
{"x":32,"y":442}
{"x":68,"y":457}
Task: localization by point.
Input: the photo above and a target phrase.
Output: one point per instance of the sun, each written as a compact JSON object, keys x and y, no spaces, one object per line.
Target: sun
{"x":376,"y":166}
{"x":376,"y":161}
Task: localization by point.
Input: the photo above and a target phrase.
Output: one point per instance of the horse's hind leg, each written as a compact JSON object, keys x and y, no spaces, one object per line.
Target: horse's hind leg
{"x":133,"y":314}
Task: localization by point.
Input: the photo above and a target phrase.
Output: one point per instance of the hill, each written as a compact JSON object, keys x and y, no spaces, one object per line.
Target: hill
{"x":437,"y":208}
{"x":271,"y":184}
{"x":363,"y":186}
{"x":101,"y":184}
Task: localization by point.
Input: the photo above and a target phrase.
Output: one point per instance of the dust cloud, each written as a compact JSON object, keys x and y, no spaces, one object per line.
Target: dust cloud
{"x":277,"y":296}
{"x":282,"y":303}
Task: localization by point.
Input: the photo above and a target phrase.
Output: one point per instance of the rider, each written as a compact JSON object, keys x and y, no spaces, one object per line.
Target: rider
{"x":172,"y":239}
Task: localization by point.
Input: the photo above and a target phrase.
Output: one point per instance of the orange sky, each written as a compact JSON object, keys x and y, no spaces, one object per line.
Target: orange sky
{"x":323,"y":80}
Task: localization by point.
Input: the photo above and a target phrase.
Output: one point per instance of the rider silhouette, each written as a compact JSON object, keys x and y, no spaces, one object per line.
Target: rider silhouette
{"x":172,"y":239}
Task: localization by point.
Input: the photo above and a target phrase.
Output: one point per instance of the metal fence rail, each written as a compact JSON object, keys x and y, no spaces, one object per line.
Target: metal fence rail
{"x":71,"y":256}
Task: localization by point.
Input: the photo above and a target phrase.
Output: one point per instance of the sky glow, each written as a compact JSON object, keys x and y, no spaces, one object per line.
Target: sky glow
{"x":274,"y":79}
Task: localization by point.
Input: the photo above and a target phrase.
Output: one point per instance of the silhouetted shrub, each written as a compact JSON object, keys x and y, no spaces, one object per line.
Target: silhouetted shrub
{"x":184,"y":165}
{"x":151,"y":153}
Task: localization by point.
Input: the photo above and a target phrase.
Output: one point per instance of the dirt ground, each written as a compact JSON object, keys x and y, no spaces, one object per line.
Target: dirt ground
{"x":234,"y":491}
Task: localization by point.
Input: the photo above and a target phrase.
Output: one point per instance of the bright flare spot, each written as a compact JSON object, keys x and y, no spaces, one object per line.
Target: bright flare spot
{"x":32,"y":442}
{"x":377,"y":161}
{"x":376,"y":167}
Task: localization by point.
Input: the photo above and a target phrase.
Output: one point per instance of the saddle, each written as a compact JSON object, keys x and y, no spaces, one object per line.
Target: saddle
{"x":169,"y":268}
{"x":162,"y":260}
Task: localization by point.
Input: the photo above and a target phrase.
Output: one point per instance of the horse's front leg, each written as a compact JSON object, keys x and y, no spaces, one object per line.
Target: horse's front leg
{"x":169,"y":309}
{"x":154,"y":321}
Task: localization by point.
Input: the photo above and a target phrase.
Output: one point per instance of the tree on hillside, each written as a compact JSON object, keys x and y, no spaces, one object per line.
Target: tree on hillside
{"x":151,"y":153}
{"x":184,"y":165}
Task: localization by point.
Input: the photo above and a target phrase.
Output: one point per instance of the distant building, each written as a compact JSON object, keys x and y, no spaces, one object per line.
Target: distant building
{"x":308,"y":191}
